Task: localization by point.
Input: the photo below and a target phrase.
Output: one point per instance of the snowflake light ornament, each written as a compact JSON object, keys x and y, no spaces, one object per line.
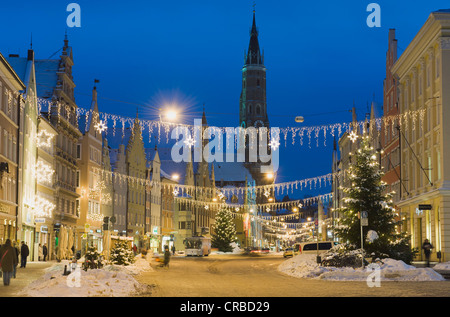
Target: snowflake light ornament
{"x":274,"y":144}
{"x":101,"y":126}
{"x":189,"y":141}
{"x":353,"y":136}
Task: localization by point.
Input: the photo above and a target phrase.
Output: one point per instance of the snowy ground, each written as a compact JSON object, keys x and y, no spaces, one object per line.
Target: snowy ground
{"x":119,"y":281}
{"x":111,"y":281}
{"x":236,"y":250}
{"x":305,"y":266}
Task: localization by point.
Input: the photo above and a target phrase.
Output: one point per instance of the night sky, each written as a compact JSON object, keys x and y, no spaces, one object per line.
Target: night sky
{"x":321,"y":58}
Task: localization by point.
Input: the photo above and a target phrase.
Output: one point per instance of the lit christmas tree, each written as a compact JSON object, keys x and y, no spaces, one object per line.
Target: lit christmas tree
{"x":121,"y":254}
{"x":224,"y":231}
{"x":93,"y":259}
{"x":366,"y":193}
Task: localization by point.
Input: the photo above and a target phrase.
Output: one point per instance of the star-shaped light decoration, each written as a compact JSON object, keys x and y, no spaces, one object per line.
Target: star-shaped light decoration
{"x":266,"y":193}
{"x":206,"y":207}
{"x":353,"y":136}
{"x":189,"y":141}
{"x":274,"y":144}
{"x":101,"y":126}
{"x":175,"y":192}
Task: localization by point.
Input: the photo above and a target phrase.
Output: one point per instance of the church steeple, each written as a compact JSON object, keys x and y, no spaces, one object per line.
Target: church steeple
{"x":254,"y":56}
{"x":253,"y":107}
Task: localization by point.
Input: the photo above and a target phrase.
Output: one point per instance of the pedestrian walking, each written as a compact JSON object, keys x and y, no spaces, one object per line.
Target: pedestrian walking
{"x":24,"y":252}
{"x":16,"y":249}
{"x":173,"y":249}
{"x":8,"y":260}
{"x":41,"y":253}
{"x":44,"y":252}
{"x":166,"y":256}
{"x":427,"y":246}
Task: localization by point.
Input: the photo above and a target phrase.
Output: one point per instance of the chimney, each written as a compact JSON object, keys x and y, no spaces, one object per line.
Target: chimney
{"x":30,"y":55}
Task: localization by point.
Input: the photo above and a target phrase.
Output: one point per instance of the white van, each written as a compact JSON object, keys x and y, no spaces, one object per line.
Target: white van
{"x":311,"y":247}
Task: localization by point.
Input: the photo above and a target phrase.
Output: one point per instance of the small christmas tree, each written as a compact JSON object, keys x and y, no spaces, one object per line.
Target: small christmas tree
{"x":93,"y":259}
{"x":224,"y":231}
{"x":121,"y":254}
{"x":366,"y":193}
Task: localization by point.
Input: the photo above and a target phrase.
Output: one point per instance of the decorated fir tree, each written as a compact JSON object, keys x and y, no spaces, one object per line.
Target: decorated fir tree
{"x":92,"y":258}
{"x":366,"y":192}
{"x":121,"y":254}
{"x":224,"y":231}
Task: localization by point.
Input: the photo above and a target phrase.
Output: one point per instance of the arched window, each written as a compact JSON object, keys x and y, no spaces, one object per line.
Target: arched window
{"x":250,"y":109}
{"x":258,"y":109}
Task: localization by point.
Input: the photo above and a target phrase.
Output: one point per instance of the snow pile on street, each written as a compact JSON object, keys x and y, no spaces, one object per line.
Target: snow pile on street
{"x":110,"y":281}
{"x":442,"y":266}
{"x":305,"y":266}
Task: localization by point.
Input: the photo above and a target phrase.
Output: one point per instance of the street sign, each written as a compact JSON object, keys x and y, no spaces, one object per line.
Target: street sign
{"x":364,"y":218}
{"x":425,"y":207}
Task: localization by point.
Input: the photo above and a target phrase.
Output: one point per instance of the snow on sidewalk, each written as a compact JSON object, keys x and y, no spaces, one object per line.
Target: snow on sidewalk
{"x":110,"y":281}
{"x":305,"y":266}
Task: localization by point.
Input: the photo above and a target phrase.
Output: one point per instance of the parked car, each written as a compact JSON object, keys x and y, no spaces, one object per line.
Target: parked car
{"x":288,"y":252}
{"x":311,"y":247}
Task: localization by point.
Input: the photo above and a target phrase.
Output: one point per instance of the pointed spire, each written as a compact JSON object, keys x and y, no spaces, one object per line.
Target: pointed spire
{"x":204,"y":123}
{"x":66,"y":44}
{"x":254,"y":54}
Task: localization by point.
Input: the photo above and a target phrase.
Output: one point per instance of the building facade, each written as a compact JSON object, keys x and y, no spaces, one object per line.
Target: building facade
{"x":47,"y":136}
{"x":136,"y":164}
{"x":423,"y":72}
{"x":390,"y":142}
{"x":91,"y":183}
{"x":10,"y":174}
{"x":56,"y":86}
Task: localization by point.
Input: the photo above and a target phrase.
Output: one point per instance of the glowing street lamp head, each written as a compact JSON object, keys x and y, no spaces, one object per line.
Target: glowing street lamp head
{"x":171,"y":115}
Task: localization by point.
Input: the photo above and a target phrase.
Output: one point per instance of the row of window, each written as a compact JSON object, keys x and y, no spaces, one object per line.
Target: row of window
{"x":8,"y":103}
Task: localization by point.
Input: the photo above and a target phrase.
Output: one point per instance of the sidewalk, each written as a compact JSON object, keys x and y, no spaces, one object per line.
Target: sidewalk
{"x":24,"y":276}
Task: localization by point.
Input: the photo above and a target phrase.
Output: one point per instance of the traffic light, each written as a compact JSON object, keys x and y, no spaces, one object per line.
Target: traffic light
{"x":106,"y":223}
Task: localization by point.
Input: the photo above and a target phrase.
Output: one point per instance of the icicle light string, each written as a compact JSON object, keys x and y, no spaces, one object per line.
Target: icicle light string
{"x":272,"y":189}
{"x":407,"y":119}
{"x":261,"y":208}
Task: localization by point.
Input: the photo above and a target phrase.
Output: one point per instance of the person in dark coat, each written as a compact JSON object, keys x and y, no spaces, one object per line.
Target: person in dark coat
{"x":17,"y":258}
{"x":427,"y":246}
{"x":166,"y":256}
{"x":24,"y":252}
{"x":8,"y":260}
{"x":45,"y":251}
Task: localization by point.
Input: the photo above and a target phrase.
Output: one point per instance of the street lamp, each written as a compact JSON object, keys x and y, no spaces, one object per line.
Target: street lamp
{"x":169,"y":114}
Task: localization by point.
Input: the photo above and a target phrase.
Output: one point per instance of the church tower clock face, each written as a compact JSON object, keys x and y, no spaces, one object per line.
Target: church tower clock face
{"x":258,"y":124}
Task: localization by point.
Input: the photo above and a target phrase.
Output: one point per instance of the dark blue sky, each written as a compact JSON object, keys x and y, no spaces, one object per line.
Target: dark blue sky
{"x":320,"y":57}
